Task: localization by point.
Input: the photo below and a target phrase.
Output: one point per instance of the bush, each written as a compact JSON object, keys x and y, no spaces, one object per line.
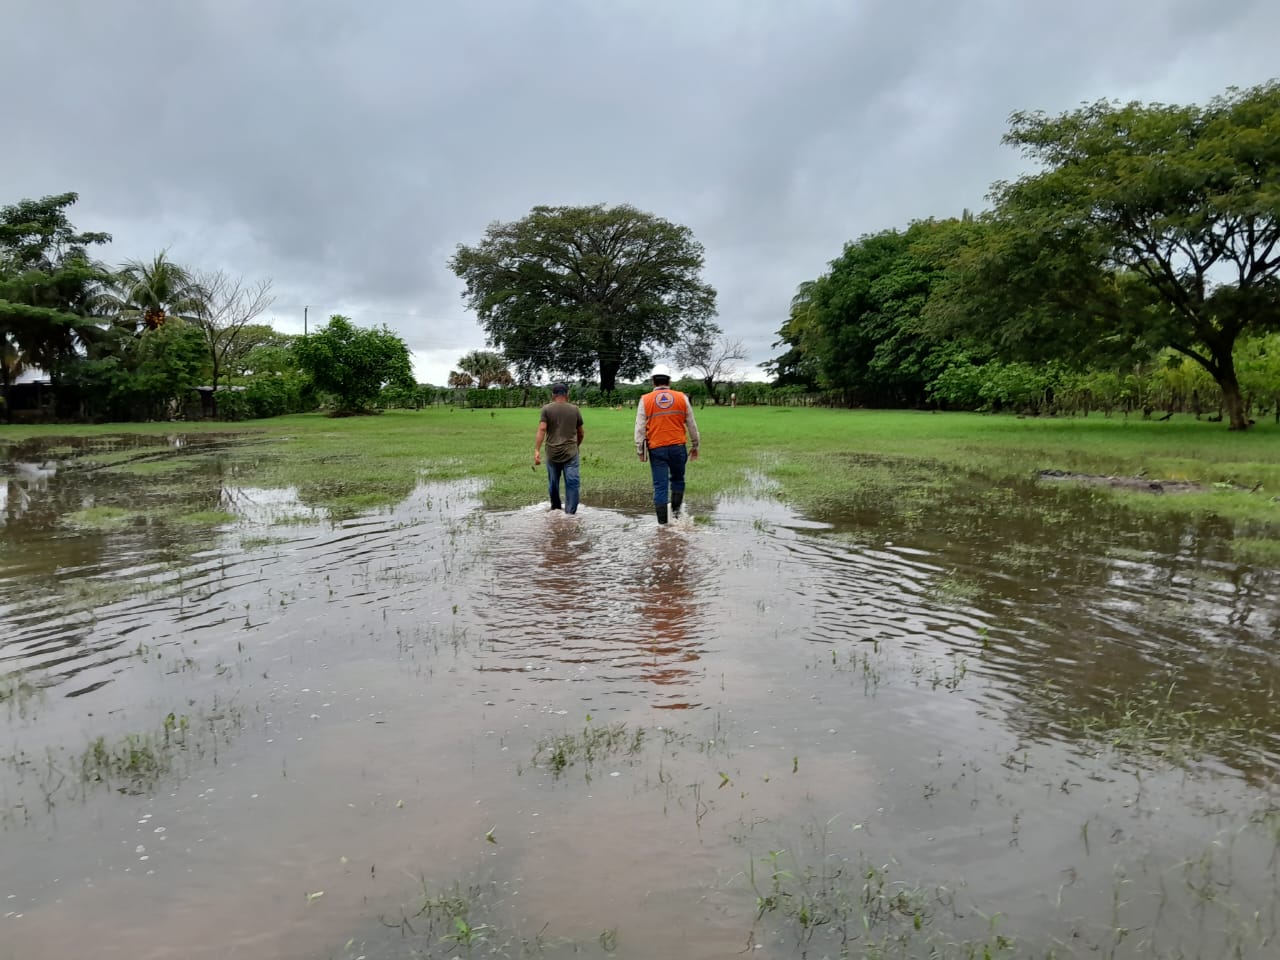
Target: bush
{"x":234,"y":405}
{"x":267,"y":396}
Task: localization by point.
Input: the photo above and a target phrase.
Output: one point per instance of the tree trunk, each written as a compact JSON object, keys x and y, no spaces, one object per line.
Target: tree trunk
{"x":1234,"y":403}
{"x":213,"y":396}
{"x":1225,"y":374}
{"x":608,"y":375}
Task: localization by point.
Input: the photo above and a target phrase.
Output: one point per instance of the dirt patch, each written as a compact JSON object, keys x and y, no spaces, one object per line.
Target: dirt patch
{"x":1139,"y":483}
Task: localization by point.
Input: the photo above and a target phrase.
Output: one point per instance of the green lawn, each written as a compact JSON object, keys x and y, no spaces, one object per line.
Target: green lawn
{"x":810,"y":457}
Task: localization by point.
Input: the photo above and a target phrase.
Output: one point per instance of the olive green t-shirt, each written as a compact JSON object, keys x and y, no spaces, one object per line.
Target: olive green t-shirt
{"x":563,"y":421}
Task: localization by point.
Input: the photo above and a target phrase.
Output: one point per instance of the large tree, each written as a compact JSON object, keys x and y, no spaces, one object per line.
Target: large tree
{"x":48,"y":286}
{"x":585,"y":290}
{"x":1149,"y":225}
{"x":353,"y":363}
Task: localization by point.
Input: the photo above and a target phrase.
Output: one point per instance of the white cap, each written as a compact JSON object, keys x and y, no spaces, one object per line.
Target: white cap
{"x":661,"y":370}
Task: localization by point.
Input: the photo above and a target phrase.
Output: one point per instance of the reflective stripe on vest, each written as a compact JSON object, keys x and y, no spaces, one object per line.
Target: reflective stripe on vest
{"x":665,"y":410}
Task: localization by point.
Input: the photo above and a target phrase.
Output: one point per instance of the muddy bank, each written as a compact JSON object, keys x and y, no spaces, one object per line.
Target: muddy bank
{"x":1139,"y":483}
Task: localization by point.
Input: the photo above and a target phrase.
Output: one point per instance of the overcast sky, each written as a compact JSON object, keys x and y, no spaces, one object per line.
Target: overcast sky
{"x":344,"y":149}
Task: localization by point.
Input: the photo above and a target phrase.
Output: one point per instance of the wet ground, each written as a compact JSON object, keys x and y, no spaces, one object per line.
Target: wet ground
{"x":1014,"y":720}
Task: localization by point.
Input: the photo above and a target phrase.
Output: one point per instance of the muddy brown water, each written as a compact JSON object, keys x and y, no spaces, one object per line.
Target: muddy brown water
{"x":1018,"y":722}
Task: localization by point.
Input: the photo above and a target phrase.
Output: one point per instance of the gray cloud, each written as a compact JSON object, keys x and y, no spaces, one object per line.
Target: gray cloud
{"x":344,"y":149}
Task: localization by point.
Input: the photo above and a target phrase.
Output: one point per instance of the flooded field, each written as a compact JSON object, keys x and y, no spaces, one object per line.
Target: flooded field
{"x":1003,"y":722}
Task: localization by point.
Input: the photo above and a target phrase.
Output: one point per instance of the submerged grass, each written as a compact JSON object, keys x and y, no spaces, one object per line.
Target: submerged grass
{"x":98,"y":518}
{"x":1157,"y":722}
{"x":1256,"y":550}
{"x":204,"y":517}
{"x":594,"y":743}
{"x":17,"y":692}
{"x":843,"y":907}
{"x":456,"y":920}
{"x":132,"y":763}
{"x":155,"y":468}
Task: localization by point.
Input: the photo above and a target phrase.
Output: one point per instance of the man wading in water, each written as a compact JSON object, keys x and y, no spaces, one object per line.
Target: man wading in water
{"x":561,"y":426}
{"x":664,"y":420}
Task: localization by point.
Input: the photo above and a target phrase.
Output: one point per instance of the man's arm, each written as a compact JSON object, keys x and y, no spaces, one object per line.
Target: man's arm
{"x":642,"y":431}
{"x":691,"y":427}
{"x":537,"y":442}
{"x":581,"y":432}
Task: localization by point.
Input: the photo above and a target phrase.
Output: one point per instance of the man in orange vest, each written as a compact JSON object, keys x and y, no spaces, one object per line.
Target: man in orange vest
{"x":664,"y":421}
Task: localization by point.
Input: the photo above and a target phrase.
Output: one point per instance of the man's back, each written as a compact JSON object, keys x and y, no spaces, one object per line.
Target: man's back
{"x":663,"y":418}
{"x":563,"y":420}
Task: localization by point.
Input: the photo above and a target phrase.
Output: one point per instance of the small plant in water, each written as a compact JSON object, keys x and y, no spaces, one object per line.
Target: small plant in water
{"x":1149,"y":721}
{"x":136,"y":761}
{"x":594,"y":743}
{"x":16,"y":692}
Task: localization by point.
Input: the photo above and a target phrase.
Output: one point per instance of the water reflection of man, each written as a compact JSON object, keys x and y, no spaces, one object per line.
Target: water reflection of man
{"x":667,"y":609}
{"x":576,"y":589}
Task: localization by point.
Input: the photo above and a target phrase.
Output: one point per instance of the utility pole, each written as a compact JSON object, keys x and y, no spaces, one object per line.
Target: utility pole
{"x":304,"y":319}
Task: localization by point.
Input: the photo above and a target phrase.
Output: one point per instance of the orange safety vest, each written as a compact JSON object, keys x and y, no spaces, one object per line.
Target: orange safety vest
{"x":664,"y":411}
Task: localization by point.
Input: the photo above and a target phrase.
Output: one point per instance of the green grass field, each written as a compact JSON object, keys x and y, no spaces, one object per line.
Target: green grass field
{"x":812,"y":458}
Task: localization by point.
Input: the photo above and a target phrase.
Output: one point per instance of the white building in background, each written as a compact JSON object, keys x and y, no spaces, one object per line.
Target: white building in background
{"x":32,"y":375}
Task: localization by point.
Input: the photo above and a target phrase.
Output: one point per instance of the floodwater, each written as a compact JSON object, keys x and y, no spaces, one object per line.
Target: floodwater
{"x":1018,"y":723}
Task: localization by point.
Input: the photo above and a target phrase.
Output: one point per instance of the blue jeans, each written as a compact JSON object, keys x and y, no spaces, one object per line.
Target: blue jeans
{"x":572,"y":484}
{"x":667,"y":463}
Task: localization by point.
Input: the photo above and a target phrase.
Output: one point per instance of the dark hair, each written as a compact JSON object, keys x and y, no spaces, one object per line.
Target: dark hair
{"x":661,"y":380}
{"x":557,"y":388}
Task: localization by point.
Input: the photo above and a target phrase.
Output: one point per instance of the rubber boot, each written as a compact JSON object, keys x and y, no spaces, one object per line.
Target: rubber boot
{"x":661,"y":510}
{"x":677,"y":498}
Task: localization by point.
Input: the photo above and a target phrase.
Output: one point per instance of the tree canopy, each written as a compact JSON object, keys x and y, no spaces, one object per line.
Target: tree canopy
{"x":1148,"y":226}
{"x":585,"y":291}
{"x":144,"y":293}
{"x":48,"y":285}
{"x":858,"y":329}
{"x":354,"y":363}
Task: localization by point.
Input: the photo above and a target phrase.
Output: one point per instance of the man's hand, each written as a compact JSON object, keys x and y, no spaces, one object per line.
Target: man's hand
{"x":693,"y":454}
{"x":642,"y":456}
{"x":537,"y":457}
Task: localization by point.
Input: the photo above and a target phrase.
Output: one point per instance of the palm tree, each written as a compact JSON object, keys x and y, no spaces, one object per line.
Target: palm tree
{"x":152,"y":292}
{"x":487,"y":367}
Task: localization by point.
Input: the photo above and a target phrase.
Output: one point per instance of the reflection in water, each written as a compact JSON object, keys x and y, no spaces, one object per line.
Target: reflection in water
{"x":29,"y":480}
{"x":667,"y":586}
{"x":267,"y":506}
{"x":610,"y":599}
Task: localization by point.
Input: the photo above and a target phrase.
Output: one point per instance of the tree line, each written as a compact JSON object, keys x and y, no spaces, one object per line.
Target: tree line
{"x":1137,"y":267}
{"x":143,"y":341}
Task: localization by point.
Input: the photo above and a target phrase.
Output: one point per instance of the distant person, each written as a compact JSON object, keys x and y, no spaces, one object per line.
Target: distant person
{"x":664,"y":422}
{"x":733,"y":399}
{"x":560,"y":425}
